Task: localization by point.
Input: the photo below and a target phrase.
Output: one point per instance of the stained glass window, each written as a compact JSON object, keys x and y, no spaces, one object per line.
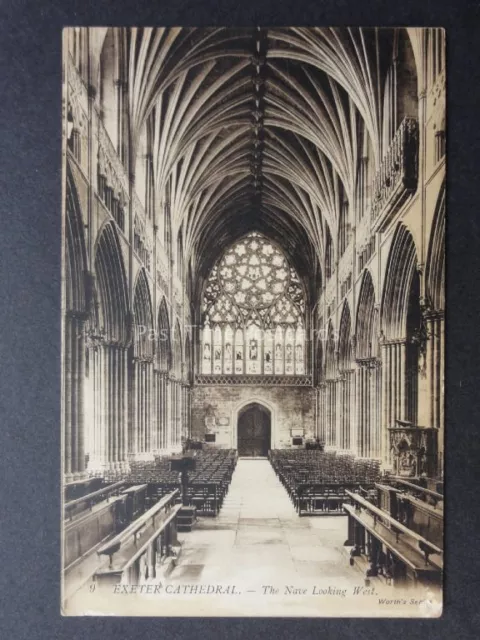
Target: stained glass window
{"x":255,"y":304}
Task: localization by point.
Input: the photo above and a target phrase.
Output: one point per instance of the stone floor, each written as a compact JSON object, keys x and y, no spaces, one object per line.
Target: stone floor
{"x":258,"y":541}
{"x":258,"y":530}
{"x":259,"y":558}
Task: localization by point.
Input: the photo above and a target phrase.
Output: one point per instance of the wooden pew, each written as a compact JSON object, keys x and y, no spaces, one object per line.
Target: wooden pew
{"x":135,"y":552}
{"x":136,"y":500}
{"x":85,"y":503}
{"x":91,"y":528}
{"x":387,"y":499}
{"x":79,"y":488}
{"x":392,"y":548}
{"x":428,"y":495}
{"x":424,"y":518}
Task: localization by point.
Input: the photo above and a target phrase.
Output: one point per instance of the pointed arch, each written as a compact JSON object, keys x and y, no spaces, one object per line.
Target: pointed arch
{"x":365,"y":330}
{"x":435,"y":267}
{"x":75,"y":254}
{"x":164,"y":350}
{"x":177,"y":351}
{"x":400,"y":89}
{"x":112,"y":286}
{"x":344,"y":340}
{"x":142,"y":316}
{"x":188,"y":358}
{"x":109,"y":77}
{"x":330,"y":356}
{"x":179,"y":256}
{"x":319,"y":368}
{"x":401,"y":268}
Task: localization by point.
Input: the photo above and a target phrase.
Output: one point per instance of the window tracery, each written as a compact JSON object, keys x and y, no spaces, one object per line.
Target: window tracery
{"x":253,"y":308}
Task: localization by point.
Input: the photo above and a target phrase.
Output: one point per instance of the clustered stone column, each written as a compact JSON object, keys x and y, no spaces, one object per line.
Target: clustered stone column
{"x":346,"y":397}
{"x":109,"y":368}
{"x":142,"y":407}
{"x":322,"y":411}
{"x":331,"y":411}
{"x":368,"y":378}
{"x":393,"y":387}
{"x":74,"y":368}
{"x":435,"y":367}
{"x":176,"y":413}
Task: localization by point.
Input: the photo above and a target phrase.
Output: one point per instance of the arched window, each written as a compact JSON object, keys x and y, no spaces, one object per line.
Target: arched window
{"x":228,"y":351}
{"x":109,"y":77}
{"x":217,"y":350}
{"x":207,"y":349}
{"x":255,"y":301}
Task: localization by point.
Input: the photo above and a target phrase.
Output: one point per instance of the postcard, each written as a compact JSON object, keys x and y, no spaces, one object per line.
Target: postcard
{"x":253,"y":321}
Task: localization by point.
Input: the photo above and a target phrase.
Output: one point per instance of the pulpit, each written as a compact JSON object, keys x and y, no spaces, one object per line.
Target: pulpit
{"x":413,"y":450}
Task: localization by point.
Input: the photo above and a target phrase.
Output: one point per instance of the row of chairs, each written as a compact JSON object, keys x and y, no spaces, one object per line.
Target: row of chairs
{"x":207,"y":486}
{"x":317,"y":481}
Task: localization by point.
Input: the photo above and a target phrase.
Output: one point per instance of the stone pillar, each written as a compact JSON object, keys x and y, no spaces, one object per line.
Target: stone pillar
{"x":441,"y":393}
{"x":156,"y":412}
{"x":133,"y":414}
{"x":107,"y":445}
{"x":379,"y":451}
{"x":359,"y":411}
{"x":78,"y":396}
{"x":351,"y":409}
{"x":338,"y":385}
{"x":403,"y":362}
{"x":168,"y":415}
{"x":123,"y":443}
{"x":164,"y":401}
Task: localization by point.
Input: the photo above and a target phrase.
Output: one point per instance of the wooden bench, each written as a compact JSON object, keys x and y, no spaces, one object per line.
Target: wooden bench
{"x":135,"y":553}
{"x":391,"y":547}
{"x":85,"y":503}
{"x":422,"y":517}
{"x":136,"y":500}
{"x":92,"y":527}
{"x":79,"y":488}
{"x":433,"y":496}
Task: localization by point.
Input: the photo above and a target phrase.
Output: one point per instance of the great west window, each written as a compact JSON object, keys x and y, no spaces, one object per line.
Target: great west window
{"x":253,"y":313}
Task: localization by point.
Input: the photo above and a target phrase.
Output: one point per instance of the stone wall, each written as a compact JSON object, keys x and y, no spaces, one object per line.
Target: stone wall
{"x":215,"y":410}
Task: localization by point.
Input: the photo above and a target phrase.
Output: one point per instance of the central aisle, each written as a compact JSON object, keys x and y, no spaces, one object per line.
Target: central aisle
{"x":259,"y":540}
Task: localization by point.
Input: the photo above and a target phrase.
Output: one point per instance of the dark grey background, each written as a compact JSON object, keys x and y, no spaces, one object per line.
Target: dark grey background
{"x":30,"y":188}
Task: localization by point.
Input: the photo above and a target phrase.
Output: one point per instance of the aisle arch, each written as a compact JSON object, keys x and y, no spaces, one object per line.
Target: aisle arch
{"x":435,"y":266}
{"x":75,"y":251}
{"x":330,"y":354}
{"x":401,"y":269}
{"x":177,"y":351}
{"x":143,"y":317}
{"x":112,"y":287}
{"x":188,"y":358}
{"x":344,"y":340}
{"x":365,"y":330}
{"x":164,"y":351}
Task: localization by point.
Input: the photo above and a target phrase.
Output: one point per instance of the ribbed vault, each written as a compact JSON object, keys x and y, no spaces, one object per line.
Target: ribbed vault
{"x":255,"y":129}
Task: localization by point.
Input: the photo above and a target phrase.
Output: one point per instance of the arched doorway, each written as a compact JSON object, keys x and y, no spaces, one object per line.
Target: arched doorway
{"x":254,"y":431}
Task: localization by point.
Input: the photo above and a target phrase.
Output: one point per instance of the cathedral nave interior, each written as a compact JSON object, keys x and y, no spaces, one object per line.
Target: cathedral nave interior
{"x":253,"y":314}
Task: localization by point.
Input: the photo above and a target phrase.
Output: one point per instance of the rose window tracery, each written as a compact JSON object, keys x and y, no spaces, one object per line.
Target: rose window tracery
{"x":253,"y":309}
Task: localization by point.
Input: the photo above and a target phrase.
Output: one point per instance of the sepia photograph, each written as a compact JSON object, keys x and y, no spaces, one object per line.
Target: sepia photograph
{"x":253,"y":332}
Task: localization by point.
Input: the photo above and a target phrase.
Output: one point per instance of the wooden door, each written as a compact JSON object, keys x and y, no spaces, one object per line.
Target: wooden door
{"x":254,"y":431}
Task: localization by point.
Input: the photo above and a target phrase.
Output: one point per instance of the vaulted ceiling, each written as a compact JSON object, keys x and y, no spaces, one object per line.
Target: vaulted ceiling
{"x":256,"y":129}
